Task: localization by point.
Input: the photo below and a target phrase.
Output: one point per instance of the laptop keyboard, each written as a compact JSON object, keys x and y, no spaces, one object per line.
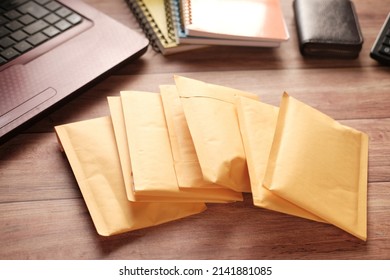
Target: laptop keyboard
{"x":26,"y":24}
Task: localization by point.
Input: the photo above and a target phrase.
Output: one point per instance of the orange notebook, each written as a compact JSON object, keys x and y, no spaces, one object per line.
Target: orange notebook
{"x":240,"y":20}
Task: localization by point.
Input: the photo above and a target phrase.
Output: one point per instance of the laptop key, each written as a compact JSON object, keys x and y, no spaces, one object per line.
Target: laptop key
{"x":74,"y":18}
{"x":52,"y":6}
{"x":63,"y":25}
{"x":37,"y":39}
{"x":26,"y":19}
{"x":386,"y":41}
{"x":385,"y":50}
{"x":63,"y":12}
{"x":36,"y":26}
{"x":19,"y":35}
{"x":23,"y":46}
{"x":6,"y":42}
{"x":52,"y":18}
{"x":9,"y":53}
{"x":33,"y":9}
{"x":12,"y":14}
{"x":51,"y":31}
{"x":4,"y":31}
{"x":14,"y":25}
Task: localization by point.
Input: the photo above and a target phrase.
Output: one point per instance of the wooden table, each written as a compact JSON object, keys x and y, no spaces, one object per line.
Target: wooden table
{"x":42,"y":212}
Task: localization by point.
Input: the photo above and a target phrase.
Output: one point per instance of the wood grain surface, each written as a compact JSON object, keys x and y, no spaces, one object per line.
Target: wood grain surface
{"x":42,"y":212}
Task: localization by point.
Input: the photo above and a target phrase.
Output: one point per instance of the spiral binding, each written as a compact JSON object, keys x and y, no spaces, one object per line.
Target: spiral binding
{"x":177,"y":19}
{"x":186,"y":11}
{"x":149,"y":25}
{"x":170,"y":23}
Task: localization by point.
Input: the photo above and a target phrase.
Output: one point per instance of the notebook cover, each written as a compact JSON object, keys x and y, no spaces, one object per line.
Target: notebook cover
{"x":234,"y":19}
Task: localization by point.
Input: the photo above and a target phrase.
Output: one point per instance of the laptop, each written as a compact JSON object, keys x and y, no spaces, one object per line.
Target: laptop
{"x":51,"y":50}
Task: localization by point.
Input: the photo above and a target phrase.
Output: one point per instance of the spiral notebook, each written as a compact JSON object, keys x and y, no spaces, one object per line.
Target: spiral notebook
{"x":235,"y":22}
{"x":155,"y":18}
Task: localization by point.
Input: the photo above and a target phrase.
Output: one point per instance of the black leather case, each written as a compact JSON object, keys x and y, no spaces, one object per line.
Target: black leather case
{"x":328,"y":28}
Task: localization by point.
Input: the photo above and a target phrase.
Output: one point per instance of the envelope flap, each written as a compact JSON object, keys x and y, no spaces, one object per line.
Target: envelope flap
{"x":194,"y":88}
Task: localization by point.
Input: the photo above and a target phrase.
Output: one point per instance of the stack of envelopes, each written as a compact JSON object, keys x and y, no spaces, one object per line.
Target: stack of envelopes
{"x":161,"y":156}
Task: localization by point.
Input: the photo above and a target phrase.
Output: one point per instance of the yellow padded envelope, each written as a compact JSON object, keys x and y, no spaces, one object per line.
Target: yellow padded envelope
{"x":258,"y":123}
{"x":211,"y":115}
{"x":320,"y":165}
{"x":118,"y":123}
{"x":91,"y":150}
{"x":148,"y":141}
{"x":188,"y":171}
{"x":151,"y":155}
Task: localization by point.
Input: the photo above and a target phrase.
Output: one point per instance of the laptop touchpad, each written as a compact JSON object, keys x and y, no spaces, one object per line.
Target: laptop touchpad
{"x":20,"y":93}
{"x":27,"y":106}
